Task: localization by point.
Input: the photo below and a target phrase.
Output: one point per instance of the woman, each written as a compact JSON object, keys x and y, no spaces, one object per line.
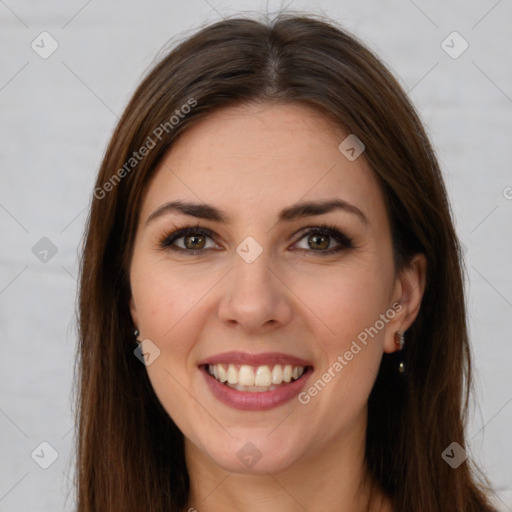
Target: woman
{"x":271,"y":305}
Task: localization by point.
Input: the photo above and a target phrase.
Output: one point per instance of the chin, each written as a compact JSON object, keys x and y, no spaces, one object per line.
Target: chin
{"x":252,"y":461}
{"x":251,"y":454}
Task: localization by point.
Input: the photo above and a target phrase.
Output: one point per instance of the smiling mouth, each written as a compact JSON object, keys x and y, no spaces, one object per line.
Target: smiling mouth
{"x":255,"y":379}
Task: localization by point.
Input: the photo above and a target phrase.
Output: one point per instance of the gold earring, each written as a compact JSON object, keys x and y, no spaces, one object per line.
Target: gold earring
{"x":400,"y":343}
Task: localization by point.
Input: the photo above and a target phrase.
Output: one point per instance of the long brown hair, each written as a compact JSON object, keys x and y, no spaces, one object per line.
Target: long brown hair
{"x":130,"y":454}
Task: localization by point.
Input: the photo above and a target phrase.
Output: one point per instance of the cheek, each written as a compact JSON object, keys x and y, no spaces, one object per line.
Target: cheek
{"x":168,"y":305}
{"x":347,"y":301}
{"x":164,"y":296}
{"x":351,"y":306}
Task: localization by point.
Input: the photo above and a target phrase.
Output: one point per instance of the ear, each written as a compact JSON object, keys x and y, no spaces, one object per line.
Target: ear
{"x":408,"y":293}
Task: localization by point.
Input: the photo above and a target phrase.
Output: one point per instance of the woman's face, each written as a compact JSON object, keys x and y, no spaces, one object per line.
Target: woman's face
{"x":263,"y":292}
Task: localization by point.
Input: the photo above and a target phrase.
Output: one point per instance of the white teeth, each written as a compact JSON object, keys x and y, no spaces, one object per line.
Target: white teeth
{"x":277,"y":374}
{"x":223,"y":376}
{"x":263,"y":376}
{"x":246,"y":376}
{"x":232,"y":375}
{"x":255,"y":378}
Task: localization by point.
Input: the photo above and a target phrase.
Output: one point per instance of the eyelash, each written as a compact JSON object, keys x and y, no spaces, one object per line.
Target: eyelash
{"x":323,"y":229}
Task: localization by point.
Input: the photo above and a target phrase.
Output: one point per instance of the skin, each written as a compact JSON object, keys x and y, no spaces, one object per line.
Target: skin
{"x":252,"y":161}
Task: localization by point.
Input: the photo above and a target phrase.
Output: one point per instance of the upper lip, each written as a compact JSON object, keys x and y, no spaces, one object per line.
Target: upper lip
{"x":237,"y":357}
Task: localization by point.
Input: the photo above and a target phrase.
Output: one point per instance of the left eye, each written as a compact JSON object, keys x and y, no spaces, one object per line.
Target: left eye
{"x":319,"y":240}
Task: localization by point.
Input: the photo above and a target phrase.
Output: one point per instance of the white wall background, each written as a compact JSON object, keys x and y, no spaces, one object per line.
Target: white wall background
{"x":57,"y":114}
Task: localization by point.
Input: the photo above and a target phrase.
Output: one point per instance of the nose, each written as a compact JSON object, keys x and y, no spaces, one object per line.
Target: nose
{"x":254,"y":297}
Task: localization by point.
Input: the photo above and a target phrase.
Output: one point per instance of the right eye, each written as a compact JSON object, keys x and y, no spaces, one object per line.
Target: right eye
{"x":194,"y":240}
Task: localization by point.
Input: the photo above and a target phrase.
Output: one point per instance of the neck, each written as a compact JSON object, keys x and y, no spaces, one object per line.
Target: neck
{"x":332,"y":478}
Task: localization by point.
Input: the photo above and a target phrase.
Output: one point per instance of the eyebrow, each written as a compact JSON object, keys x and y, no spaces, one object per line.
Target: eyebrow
{"x":294,"y":212}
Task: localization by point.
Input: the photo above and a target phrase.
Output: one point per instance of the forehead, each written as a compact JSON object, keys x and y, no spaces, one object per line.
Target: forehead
{"x":261,"y":158}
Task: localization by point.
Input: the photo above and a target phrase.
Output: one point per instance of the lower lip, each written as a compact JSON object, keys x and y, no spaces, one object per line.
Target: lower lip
{"x":255,"y":401}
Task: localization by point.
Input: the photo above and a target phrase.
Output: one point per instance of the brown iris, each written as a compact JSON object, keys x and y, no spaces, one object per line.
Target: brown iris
{"x":194,"y":244}
{"x":315,"y":244}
